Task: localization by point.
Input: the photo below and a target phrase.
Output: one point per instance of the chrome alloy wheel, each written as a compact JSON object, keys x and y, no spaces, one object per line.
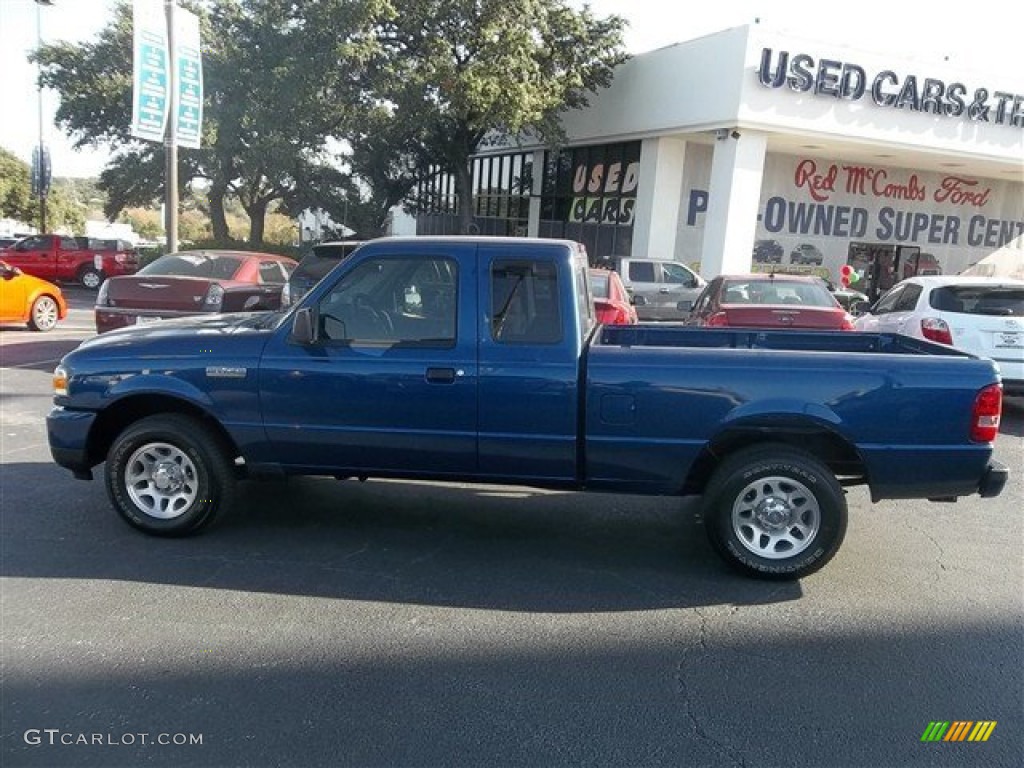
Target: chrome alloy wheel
{"x":776,"y":517}
{"x":161,"y":480}
{"x":91,"y":279}
{"x":44,"y":313}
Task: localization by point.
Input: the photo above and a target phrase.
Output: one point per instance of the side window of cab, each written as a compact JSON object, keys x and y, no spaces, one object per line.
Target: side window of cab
{"x":394,"y":302}
{"x":34,"y":243}
{"x":525,"y":306}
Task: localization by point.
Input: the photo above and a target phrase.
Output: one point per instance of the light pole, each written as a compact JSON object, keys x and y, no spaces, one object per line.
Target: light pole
{"x":171,"y":139}
{"x":41,"y":165}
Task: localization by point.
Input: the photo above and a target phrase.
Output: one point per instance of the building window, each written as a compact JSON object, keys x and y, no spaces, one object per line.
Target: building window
{"x":589,"y":195}
{"x":501,"y":187}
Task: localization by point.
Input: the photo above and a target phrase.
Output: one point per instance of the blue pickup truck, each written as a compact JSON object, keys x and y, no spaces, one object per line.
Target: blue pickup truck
{"x":479,"y":359}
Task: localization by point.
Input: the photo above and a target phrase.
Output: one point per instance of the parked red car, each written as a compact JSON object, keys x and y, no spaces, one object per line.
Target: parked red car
{"x":84,"y":260}
{"x":611,"y":299}
{"x":191,"y":283}
{"x":769,"y":301}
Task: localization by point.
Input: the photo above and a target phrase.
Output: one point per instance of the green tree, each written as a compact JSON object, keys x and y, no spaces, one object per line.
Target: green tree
{"x":146,"y":221}
{"x":16,"y":188}
{"x":458,"y":69}
{"x":267,"y":110}
{"x":63,"y":210}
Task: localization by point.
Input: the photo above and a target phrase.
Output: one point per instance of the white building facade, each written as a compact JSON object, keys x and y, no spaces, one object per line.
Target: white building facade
{"x":753,"y":148}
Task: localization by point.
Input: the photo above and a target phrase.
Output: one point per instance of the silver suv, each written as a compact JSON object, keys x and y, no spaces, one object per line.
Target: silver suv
{"x":660,"y":289}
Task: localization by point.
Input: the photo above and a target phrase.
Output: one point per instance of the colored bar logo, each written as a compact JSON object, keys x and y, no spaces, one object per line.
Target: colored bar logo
{"x":958,"y":730}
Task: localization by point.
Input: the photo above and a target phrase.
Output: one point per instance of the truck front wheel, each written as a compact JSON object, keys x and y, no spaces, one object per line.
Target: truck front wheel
{"x":90,"y":277}
{"x":168,"y":475}
{"x":775,"y":512}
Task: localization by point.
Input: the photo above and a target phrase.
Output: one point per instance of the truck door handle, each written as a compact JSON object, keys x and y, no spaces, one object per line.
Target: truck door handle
{"x":441,"y":375}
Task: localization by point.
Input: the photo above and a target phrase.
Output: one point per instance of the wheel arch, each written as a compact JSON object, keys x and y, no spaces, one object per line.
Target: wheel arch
{"x":33,"y":296}
{"x":803,"y":433}
{"x":117,"y":416}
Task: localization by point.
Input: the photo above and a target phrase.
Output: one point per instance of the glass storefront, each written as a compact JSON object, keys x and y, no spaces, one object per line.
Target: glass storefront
{"x":589,"y":195}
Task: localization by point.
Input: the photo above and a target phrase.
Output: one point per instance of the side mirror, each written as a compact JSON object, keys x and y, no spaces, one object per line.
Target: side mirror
{"x":860,"y":308}
{"x":302,"y":326}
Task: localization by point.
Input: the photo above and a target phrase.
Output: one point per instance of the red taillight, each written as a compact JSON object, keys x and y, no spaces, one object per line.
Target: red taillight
{"x":934,"y":329}
{"x":988,"y":407}
{"x":719,"y":319}
{"x":847,"y":324}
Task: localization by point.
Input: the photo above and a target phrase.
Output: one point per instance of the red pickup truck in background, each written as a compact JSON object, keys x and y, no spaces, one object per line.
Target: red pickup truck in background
{"x":82,"y":260}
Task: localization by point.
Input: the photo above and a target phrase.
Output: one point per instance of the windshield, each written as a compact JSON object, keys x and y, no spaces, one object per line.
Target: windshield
{"x":218,"y":266}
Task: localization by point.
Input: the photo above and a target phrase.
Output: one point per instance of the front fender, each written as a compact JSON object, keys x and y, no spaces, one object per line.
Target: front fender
{"x":100,"y":391}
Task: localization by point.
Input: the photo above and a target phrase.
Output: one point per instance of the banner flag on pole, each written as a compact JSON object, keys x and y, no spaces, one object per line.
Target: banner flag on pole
{"x":188,"y":62}
{"x":150,"y":99}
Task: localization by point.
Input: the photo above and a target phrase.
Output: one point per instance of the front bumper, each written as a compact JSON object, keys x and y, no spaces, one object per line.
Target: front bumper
{"x":994,"y":479}
{"x":68,"y":435}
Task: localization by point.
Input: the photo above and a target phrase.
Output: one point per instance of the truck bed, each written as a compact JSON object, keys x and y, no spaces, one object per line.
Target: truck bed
{"x":806,"y":341}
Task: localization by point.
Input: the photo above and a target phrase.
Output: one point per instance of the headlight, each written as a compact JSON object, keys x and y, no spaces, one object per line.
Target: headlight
{"x":214,"y":297}
{"x":60,"y":381}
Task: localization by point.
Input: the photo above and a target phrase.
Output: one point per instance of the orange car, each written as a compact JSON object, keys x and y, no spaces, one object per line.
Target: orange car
{"x":27,"y":299}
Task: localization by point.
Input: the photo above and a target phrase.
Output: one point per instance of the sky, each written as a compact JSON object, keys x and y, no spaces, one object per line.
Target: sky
{"x":960,"y":33}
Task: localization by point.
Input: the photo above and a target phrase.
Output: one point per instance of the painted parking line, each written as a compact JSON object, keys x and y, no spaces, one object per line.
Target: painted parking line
{"x":34,"y":363}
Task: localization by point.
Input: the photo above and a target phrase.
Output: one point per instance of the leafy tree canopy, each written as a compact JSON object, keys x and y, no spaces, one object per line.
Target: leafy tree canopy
{"x":461,"y":68}
{"x":407,"y":84}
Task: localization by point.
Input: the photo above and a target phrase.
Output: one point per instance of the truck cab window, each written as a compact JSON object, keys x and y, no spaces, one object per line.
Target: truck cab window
{"x":37,"y":243}
{"x":525,"y":303}
{"x":641,"y":271}
{"x":404,"y":302}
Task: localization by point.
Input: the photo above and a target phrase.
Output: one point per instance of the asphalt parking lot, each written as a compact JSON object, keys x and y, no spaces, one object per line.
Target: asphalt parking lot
{"x":417,"y":624}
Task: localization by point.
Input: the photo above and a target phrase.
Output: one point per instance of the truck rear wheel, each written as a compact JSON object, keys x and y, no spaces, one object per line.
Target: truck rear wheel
{"x":169,"y":476}
{"x":775,"y":512}
{"x":90,"y":277}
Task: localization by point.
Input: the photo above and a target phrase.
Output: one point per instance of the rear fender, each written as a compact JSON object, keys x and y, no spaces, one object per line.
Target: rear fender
{"x":809,"y":427}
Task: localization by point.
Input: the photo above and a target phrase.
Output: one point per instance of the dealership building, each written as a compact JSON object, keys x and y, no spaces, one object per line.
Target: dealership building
{"x":755,"y":148}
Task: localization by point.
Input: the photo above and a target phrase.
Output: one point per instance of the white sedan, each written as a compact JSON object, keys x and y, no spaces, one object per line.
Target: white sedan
{"x":980,"y":315}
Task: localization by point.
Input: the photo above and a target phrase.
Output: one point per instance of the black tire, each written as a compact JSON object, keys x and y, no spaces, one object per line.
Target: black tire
{"x":90,"y":277}
{"x":775,"y":512}
{"x":169,"y":475}
{"x":44,"y":314}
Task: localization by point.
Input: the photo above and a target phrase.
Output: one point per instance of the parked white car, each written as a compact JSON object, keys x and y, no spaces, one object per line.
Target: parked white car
{"x":980,"y":315}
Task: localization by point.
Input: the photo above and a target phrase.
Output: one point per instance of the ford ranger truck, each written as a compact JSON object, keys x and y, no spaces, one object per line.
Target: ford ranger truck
{"x":479,"y":360}
{"x":72,"y":259}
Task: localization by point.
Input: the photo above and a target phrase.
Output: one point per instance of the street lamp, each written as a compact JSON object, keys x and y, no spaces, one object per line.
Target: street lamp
{"x":42,"y":166}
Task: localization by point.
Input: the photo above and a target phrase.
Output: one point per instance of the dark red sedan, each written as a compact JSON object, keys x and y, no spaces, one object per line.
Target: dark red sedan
{"x":611,"y":299}
{"x":192,"y":283}
{"x":769,"y":301}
